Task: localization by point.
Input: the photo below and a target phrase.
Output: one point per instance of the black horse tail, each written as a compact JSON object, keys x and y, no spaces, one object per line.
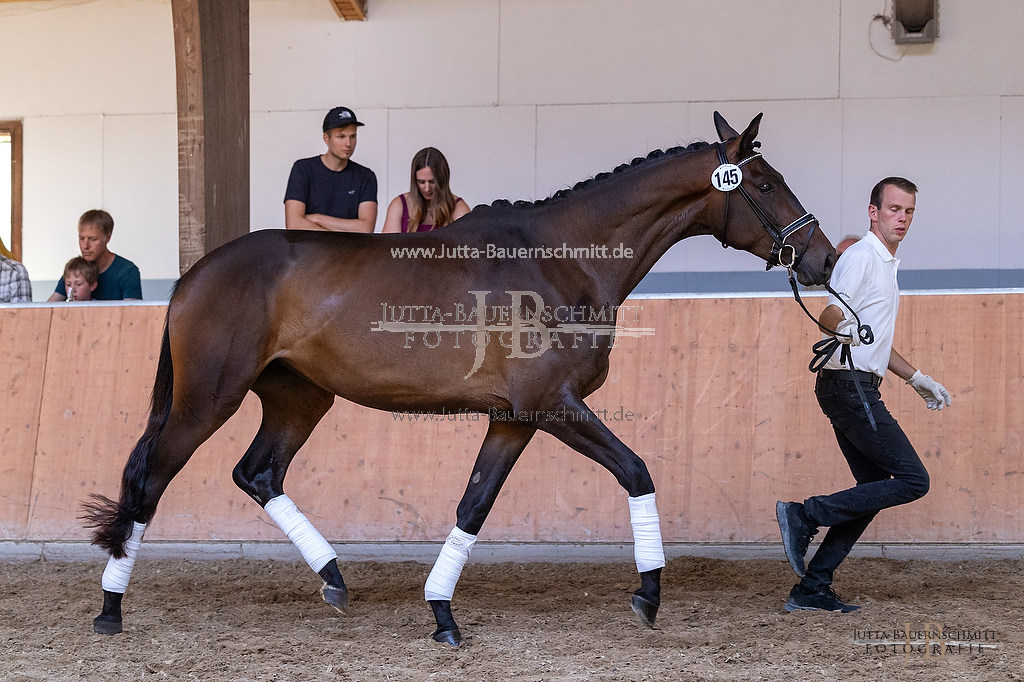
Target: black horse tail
{"x":111,"y":521}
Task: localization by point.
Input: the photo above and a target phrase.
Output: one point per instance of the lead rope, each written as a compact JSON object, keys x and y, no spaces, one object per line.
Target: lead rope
{"x":824,"y":349}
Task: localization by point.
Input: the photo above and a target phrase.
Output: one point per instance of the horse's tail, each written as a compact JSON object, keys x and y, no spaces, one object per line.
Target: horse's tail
{"x":112,"y":521}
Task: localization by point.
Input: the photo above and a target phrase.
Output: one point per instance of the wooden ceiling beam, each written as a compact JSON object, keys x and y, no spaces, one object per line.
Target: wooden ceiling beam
{"x":350,"y":10}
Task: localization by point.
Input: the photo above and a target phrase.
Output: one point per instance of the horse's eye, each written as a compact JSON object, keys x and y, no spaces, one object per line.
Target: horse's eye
{"x":764,"y":187}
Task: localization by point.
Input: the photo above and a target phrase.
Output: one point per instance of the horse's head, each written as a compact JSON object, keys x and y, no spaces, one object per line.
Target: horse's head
{"x":767,"y":220}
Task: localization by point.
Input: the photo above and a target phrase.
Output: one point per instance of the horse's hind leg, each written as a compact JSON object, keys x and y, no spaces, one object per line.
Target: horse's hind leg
{"x":501,"y":448}
{"x":292,"y":407}
{"x":584,"y":432}
{"x":193,"y":395}
{"x":156,"y":459}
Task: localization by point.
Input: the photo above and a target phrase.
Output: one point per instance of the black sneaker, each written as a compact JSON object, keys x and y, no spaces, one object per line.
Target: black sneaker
{"x":824,"y":600}
{"x":796,"y":534}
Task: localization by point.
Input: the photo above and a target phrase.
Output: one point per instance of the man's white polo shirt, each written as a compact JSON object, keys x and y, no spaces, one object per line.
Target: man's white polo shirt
{"x":865,"y":276}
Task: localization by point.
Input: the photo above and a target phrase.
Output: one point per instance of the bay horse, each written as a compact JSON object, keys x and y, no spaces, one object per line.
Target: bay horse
{"x":313,"y":330}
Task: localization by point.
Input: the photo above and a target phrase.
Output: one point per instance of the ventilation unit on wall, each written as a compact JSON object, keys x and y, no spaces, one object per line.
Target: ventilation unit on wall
{"x":915,"y":21}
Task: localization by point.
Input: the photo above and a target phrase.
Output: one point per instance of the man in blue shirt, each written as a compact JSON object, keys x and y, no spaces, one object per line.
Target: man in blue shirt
{"x":119,"y":277}
{"x":330,"y":191}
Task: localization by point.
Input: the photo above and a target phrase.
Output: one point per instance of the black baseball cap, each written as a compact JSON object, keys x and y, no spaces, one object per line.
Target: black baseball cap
{"x":339,"y":117}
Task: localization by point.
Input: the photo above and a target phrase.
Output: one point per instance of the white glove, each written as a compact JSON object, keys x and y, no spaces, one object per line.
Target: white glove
{"x":849,"y":328}
{"x":935,"y":394}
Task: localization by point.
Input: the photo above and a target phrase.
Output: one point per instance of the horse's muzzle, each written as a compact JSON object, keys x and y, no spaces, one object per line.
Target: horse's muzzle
{"x":810,"y":274}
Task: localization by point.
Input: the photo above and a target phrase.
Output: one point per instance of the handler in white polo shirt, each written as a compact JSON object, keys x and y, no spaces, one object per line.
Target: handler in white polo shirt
{"x":886,"y":467}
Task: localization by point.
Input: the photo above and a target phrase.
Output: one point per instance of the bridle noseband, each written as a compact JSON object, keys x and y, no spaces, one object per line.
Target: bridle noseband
{"x":778,"y":235}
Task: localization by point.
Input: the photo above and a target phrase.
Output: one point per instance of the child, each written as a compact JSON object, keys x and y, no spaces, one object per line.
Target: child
{"x":80,"y":279}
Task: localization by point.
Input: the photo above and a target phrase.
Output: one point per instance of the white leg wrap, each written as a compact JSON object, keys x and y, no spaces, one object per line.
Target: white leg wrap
{"x":448,"y":567}
{"x":647,"y":548}
{"x":315,"y":550}
{"x":119,"y":571}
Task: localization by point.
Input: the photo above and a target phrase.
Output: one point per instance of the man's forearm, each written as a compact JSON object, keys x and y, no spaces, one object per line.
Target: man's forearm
{"x":831,"y":316}
{"x":326,"y":222}
{"x":899,"y":366}
{"x":301,"y":223}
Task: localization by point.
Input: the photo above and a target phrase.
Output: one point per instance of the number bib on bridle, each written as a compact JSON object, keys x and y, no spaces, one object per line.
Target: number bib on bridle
{"x":727,"y":177}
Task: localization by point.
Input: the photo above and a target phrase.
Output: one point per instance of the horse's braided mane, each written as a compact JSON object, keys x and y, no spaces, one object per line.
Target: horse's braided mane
{"x":638,"y":161}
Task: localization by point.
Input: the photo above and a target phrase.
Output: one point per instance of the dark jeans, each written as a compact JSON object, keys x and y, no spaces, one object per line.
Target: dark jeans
{"x":886,"y":467}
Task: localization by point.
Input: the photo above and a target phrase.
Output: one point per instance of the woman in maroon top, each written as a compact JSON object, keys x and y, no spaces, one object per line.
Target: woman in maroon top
{"x":429,"y":203}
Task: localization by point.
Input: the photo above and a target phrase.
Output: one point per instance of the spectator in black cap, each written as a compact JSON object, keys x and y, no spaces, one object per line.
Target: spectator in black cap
{"x":331,"y":191}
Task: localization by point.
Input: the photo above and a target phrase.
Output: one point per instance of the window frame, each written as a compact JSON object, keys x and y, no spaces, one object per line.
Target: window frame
{"x":14,"y":129}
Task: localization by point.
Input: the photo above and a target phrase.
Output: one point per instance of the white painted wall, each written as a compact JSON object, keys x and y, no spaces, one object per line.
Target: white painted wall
{"x":528,"y":96}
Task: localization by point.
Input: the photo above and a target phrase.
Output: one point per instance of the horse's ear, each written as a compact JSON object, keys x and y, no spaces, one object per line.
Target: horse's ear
{"x":725,"y":131}
{"x":747,"y":143}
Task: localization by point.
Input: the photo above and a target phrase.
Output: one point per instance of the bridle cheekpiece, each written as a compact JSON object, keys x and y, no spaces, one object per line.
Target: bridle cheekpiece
{"x":778,"y":235}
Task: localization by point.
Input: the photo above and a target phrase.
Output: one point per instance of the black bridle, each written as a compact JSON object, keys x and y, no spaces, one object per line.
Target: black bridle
{"x":823,"y":349}
{"x":778,"y":234}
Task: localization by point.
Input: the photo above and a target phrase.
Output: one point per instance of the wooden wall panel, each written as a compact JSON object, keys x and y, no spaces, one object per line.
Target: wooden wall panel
{"x":722,"y":412}
{"x":100,"y":363}
{"x":24,"y":334}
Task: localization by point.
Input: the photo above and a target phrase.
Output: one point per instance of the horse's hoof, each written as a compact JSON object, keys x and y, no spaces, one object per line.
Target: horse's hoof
{"x":452,"y":638}
{"x":646,"y":610}
{"x":106,"y":626}
{"x":336,"y":597}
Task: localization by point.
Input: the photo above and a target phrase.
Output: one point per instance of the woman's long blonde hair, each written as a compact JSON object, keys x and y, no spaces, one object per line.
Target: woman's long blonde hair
{"x":4,"y":251}
{"x":443,"y":204}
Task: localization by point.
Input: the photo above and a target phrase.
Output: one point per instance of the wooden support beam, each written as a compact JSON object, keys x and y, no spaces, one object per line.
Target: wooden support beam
{"x":211,"y":49}
{"x":350,"y":10}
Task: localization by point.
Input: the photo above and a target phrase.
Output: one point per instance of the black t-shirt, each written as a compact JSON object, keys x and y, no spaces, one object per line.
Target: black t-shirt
{"x":332,"y":193}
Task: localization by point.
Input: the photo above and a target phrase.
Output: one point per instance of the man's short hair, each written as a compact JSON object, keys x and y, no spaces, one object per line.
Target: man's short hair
{"x":99,"y":218}
{"x":896,"y":181}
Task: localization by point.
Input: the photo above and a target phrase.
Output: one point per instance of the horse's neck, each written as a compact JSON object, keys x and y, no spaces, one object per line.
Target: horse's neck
{"x":645,"y":213}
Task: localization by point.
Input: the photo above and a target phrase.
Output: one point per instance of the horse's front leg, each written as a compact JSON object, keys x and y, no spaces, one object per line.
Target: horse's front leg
{"x":584,"y":432}
{"x":501,"y":448}
{"x":292,"y":407}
